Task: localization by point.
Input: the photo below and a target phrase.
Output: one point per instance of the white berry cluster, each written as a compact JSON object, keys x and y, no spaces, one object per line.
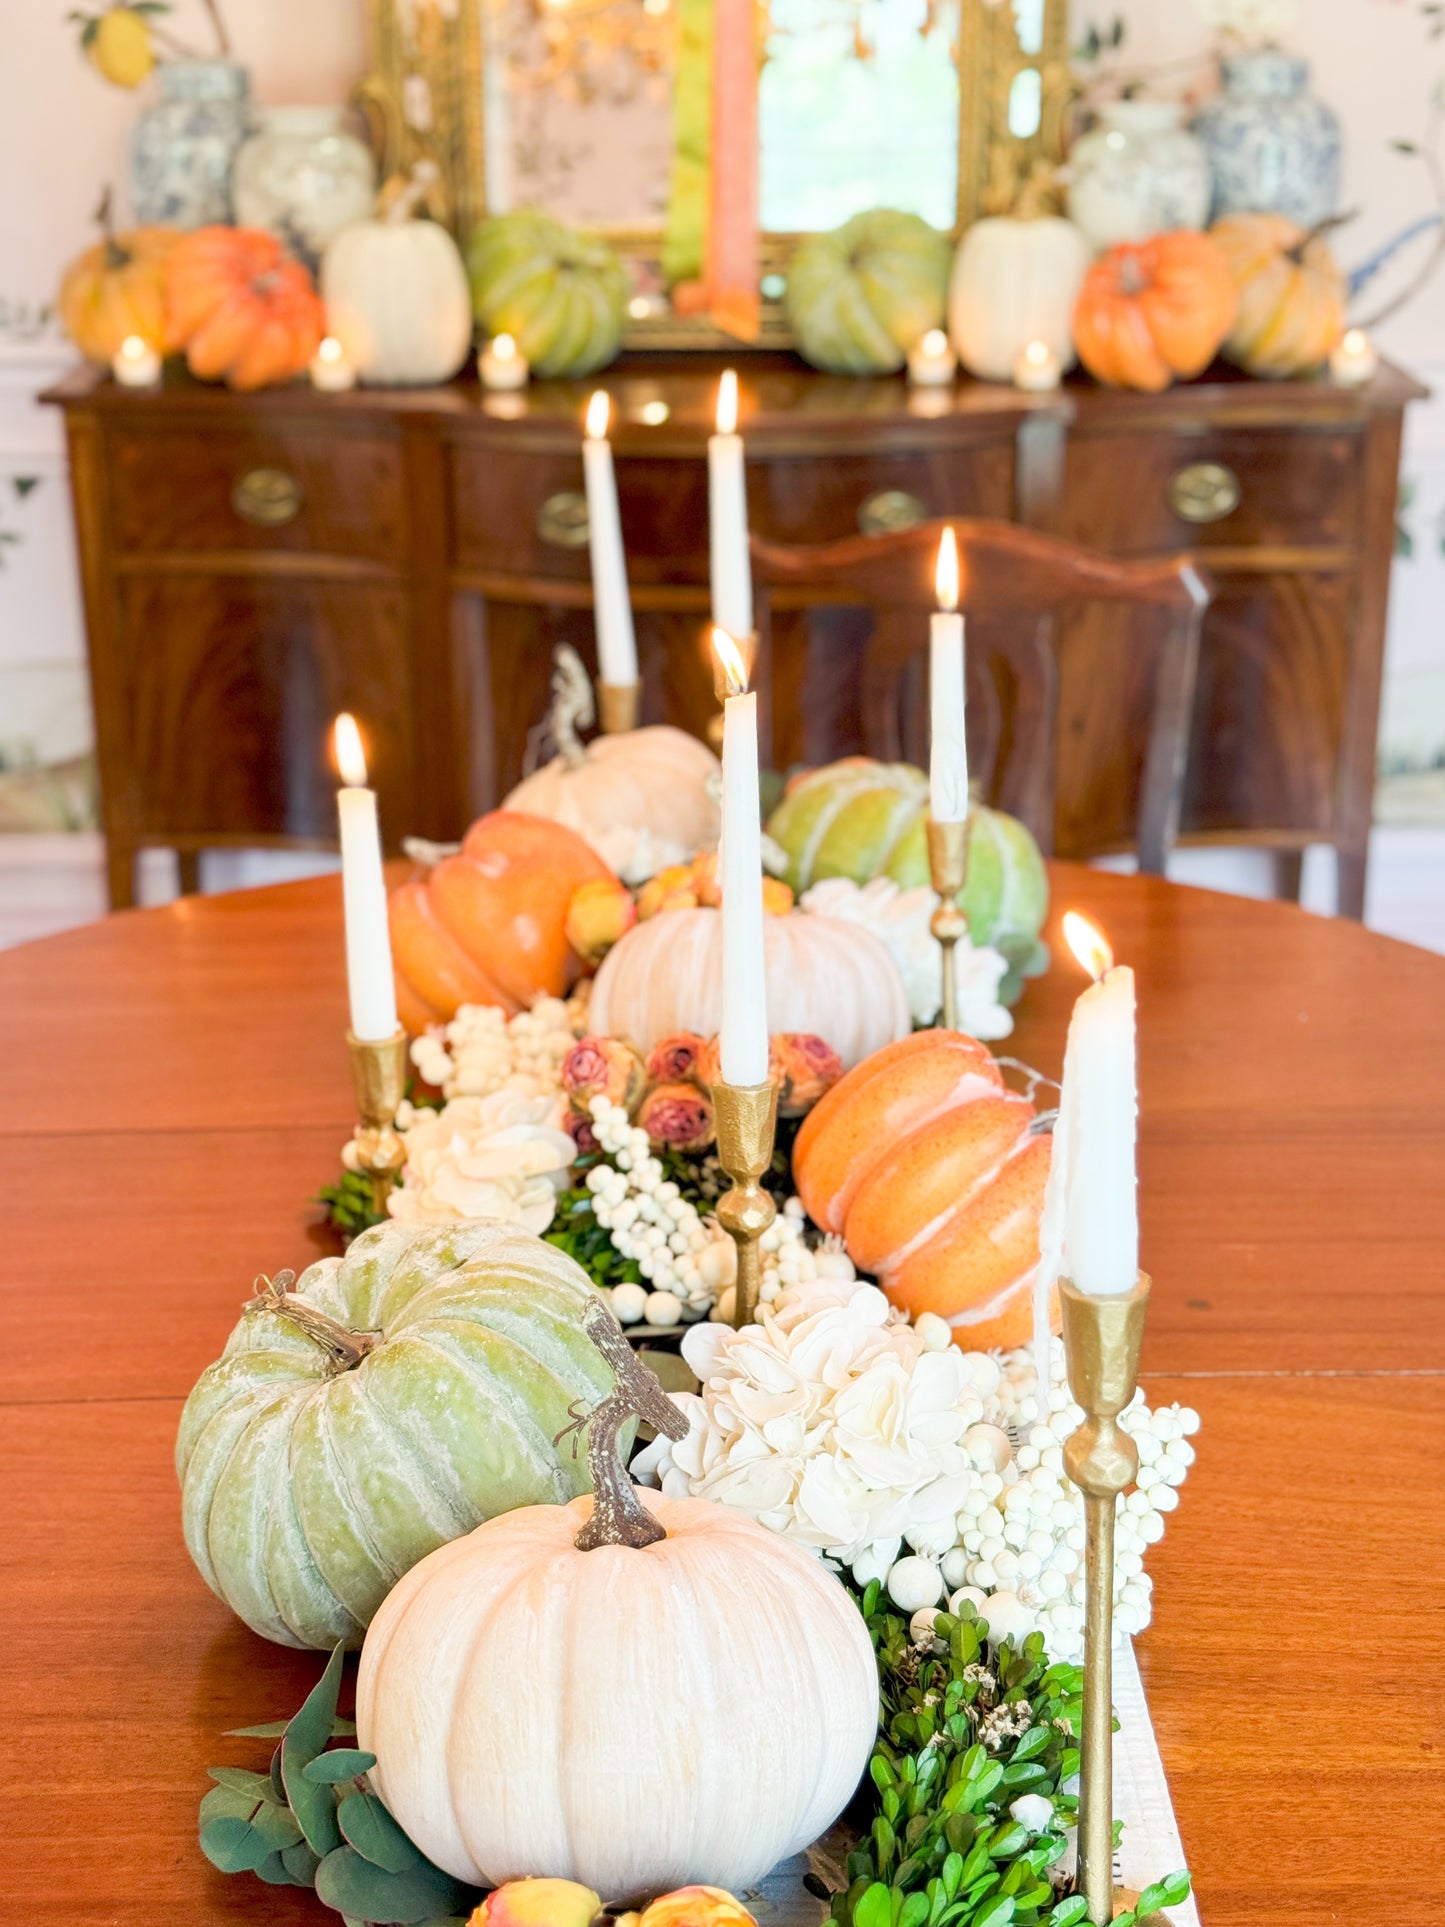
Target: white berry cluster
{"x":482,"y":1050}
{"x":1021,"y":1528}
{"x":689,"y":1264}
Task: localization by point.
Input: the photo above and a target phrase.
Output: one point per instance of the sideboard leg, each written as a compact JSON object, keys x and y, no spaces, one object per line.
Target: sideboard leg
{"x":1351,"y":873}
{"x":189,"y":864}
{"x":120,"y":872}
{"x":1289,"y":869}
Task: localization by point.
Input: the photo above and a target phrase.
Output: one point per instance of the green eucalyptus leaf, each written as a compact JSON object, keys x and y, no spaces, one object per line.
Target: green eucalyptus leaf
{"x":278,"y":1785}
{"x":225,"y":1803}
{"x":273,"y":1871}
{"x":353,"y":1885}
{"x":314,"y":1806}
{"x":341,"y":1763}
{"x":272,"y":1730}
{"x":301,"y":1864}
{"x":233,"y":1845}
{"x":239,"y":1779}
{"x":366,"y":1825}
{"x":277,"y":1826}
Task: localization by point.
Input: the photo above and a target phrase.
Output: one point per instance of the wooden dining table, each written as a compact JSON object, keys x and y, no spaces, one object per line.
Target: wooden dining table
{"x":176,"y":1090}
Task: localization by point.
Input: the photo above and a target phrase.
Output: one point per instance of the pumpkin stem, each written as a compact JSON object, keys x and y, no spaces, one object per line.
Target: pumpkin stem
{"x":618,"y":1516}
{"x":115,"y":255}
{"x":573,"y":704}
{"x":401,"y":198}
{"x":347,"y":1348}
{"x":1320,"y":228}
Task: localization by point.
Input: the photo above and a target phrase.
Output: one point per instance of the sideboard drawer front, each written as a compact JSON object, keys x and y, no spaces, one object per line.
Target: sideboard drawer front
{"x":523,"y":514}
{"x":1138,"y":493}
{"x":176,"y":490}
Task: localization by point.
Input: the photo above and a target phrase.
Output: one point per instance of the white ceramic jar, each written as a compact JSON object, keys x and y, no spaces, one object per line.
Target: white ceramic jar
{"x":303,"y":176}
{"x":1137,"y":173}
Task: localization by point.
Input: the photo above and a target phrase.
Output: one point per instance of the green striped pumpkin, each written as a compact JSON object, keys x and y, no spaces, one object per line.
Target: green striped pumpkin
{"x":309,"y":1487}
{"x":862,"y":819}
{"x":561,"y":294}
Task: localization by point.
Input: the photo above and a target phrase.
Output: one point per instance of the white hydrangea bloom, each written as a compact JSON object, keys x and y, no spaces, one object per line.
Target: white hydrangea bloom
{"x":482,"y":1050}
{"x":1254,"y":23}
{"x":901,"y":918}
{"x":502,"y":1156}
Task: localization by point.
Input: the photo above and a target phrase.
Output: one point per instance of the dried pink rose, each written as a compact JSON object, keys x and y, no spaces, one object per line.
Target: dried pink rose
{"x":803,"y":1067}
{"x":582,"y":1133}
{"x":675,"y":1059}
{"x":603,"y":1067}
{"x":678,"y":1115}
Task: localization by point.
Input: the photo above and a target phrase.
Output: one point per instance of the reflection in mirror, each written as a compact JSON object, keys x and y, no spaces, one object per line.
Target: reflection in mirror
{"x":578,"y":108}
{"x":858,"y":108}
{"x":1025,"y":103}
{"x":1029,"y":25}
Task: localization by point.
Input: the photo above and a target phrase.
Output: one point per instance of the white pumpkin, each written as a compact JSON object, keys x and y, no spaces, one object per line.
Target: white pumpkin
{"x":641,"y":799}
{"x":397,"y":297}
{"x":1015,"y":281}
{"x":634,"y":1719}
{"x":832,"y":979}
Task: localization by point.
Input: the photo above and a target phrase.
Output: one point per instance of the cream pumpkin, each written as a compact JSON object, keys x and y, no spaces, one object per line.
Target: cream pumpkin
{"x":929,"y":1169}
{"x":1292,"y":295}
{"x":641,"y":799}
{"x":634,"y":1696}
{"x":1015,"y":281}
{"x":397,"y":296}
{"x":394,"y":1399}
{"x":825,"y":978}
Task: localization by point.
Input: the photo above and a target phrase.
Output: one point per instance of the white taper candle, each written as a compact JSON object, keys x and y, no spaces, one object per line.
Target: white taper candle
{"x":743,"y":1044}
{"x":727,"y":514}
{"x":948,"y":745}
{"x":611,"y":603}
{"x":363,"y":888}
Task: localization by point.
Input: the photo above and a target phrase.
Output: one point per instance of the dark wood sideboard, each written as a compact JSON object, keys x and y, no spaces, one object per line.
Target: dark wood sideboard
{"x":252,"y":564}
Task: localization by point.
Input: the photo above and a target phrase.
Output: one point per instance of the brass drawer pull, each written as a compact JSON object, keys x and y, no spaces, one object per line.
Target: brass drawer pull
{"x":1204,"y":492}
{"x":267,"y":498}
{"x":890,"y":511}
{"x":562,"y":520}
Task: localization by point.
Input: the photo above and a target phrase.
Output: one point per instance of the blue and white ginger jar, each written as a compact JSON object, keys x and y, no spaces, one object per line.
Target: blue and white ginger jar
{"x":1273,"y":148}
{"x":185,"y":144}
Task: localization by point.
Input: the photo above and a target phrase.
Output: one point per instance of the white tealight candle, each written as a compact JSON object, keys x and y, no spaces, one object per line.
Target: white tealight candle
{"x":612,"y":606}
{"x":363,"y":887}
{"x":727,"y":510}
{"x":136,"y":364}
{"x":743,"y":1041}
{"x":1089,"y":1230}
{"x":502,"y":365}
{"x":948,"y":745}
{"x":932,"y":362}
{"x":1038,"y":369}
{"x":1355,"y":361}
{"x":332,"y":369}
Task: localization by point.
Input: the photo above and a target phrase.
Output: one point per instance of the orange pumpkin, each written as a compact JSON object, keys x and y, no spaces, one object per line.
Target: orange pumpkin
{"x":489,"y":925}
{"x":117,"y":289}
{"x":925,"y":1164}
{"x":1153,"y":311}
{"x":1292,"y":294}
{"x":241,"y":308}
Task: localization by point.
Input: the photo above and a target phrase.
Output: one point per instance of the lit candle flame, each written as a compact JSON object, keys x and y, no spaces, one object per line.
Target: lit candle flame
{"x":1037,"y":354}
{"x":727,"y":402}
{"x":945,"y":574}
{"x":350,"y":756}
{"x":330,"y":349}
{"x":505,"y":349}
{"x":599,"y":411}
{"x":1089,"y":945}
{"x":730,"y":662}
{"x":935,"y":342}
{"x":1356,"y":342}
{"x":133,"y":348}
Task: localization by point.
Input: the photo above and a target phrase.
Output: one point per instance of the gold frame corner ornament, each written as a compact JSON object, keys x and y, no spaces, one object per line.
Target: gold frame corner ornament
{"x":422,"y":96}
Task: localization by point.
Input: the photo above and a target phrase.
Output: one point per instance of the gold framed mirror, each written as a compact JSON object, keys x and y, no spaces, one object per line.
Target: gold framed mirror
{"x":597,"y":111}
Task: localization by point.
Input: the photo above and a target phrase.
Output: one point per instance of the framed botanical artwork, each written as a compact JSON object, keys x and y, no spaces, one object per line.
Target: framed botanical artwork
{"x":657,"y":123}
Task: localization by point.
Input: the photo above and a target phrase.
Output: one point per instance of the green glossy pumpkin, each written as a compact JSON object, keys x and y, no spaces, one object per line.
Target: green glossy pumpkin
{"x":859,"y":298}
{"x":561,"y":294}
{"x":309,"y":1488}
{"x":859,"y":818}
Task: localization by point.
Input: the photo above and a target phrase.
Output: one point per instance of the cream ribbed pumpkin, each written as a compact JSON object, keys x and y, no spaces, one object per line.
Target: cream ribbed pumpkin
{"x":689,"y":1699}
{"x":641,"y":799}
{"x":397,"y":296}
{"x":1015,"y":281}
{"x":825,"y":977}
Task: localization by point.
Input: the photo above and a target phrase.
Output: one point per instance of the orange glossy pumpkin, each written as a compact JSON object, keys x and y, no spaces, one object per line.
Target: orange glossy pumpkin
{"x":926,"y":1165}
{"x":1292,"y":295}
{"x":1154,"y":311}
{"x":117,"y":289}
{"x":489,"y":925}
{"x":242,"y":309}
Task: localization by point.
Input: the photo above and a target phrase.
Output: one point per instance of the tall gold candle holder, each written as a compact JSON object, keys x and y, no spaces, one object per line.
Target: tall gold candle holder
{"x":746,"y":1116}
{"x":378,"y":1071}
{"x":1102,"y":1335}
{"x":948,"y":870}
{"x":617,"y":706}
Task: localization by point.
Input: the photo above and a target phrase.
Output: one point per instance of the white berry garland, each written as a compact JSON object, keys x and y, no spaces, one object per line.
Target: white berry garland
{"x":482,"y":1050}
{"x":687,"y":1261}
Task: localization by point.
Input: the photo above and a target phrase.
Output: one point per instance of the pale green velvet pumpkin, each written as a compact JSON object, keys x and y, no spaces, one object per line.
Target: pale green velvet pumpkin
{"x":312,"y":1479}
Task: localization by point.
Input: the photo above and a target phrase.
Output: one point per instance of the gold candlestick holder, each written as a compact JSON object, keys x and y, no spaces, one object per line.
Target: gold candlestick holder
{"x":746,"y":1117}
{"x":617,"y":706}
{"x":1102,"y":1335}
{"x":948,"y":870}
{"x":378,"y":1071}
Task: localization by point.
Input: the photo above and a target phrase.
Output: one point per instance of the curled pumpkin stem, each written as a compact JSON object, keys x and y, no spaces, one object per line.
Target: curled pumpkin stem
{"x":346,"y":1349}
{"x":618,"y":1516}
